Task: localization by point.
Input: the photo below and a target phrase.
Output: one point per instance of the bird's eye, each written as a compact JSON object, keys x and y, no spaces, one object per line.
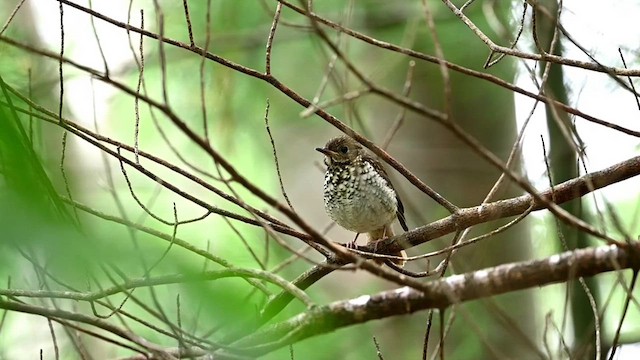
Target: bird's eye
{"x":343,"y":149}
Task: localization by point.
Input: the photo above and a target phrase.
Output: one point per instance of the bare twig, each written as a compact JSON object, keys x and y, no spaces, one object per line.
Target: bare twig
{"x":11,"y":16}
{"x":272,"y":33}
{"x":616,"y":337}
{"x":628,"y":79}
{"x":275,"y":157}
{"x":56,"y":350}
{"x":136,"y":101}
{"x":187,"y":18}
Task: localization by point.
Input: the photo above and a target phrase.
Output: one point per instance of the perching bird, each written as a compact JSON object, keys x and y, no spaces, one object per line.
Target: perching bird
{"x":358,"y":194}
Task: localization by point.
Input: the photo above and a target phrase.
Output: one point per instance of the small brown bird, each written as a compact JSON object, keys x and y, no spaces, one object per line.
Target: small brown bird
{"x":358,"y":194}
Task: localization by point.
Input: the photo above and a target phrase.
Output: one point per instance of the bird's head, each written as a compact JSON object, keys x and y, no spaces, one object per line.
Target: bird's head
{"x":340,"y":150}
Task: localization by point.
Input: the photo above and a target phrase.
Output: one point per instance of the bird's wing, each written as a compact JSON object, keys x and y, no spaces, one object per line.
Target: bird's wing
{"x":400,"y":213}
{"x":400,"y":210}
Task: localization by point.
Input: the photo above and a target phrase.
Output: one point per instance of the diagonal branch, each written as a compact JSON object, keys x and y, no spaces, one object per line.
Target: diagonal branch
{"x":566,"y":191}
{"x":443,"y":293}
{"x":569,"y":190}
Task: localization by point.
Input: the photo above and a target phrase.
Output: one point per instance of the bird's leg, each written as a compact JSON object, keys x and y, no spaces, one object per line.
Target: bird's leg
{"x":379,"y":235}
{"x":375,"y":243}
{"x":352,"y":244}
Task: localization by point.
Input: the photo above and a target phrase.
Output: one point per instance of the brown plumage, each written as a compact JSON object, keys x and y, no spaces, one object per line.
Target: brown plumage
{"x":358,"y":194}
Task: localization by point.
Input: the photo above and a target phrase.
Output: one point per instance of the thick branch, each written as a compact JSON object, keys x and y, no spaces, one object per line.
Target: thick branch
{"x":569,"y":190}
{"x":444,"y":293}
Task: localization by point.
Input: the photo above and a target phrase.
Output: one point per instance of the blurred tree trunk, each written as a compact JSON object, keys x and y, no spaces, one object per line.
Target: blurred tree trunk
{"x":502,"y":327}
{"x":563,"y":162}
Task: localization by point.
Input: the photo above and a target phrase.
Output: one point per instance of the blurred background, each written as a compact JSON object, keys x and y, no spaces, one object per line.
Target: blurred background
{"x":47,"y":244}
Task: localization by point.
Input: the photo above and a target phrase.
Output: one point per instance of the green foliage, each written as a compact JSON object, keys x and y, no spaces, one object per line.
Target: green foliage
{"x":31,"y":211}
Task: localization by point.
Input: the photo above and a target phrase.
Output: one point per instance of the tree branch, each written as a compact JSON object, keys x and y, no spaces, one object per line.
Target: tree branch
{"x":443,"y":293}
{"x":569,"y":190}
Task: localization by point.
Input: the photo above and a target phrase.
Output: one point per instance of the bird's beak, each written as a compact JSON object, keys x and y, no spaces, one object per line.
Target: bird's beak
{"x":326,"y":152}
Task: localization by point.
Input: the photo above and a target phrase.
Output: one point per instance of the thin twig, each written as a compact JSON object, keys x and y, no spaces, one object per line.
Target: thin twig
{"x":444,"y":71}
{"x":56,"y":350}
{"x":628,"y":79}
{"x":187,"y":18}
{"x":272,"y":33}
{"x":378,"y":352}
{"x":275,"y":157}
{"x":399,"y":120}
{"x":136,"y":100}
{"x":11,"y":16}
{"x":98,"y":42}
{"x":627,"y":301}
{"x":203,"y":102}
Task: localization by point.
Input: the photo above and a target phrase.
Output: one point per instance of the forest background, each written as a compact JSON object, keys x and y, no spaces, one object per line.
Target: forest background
{"x":162,"y":198}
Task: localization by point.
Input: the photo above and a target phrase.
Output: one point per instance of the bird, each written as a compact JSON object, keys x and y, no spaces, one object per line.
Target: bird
{"x":358,"y":194}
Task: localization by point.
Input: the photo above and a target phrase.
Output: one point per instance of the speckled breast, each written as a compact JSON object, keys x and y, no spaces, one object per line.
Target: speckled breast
{"x":358,"y":198}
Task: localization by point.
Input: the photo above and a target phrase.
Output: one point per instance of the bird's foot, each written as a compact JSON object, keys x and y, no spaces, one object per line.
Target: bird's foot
{"x":353,"y":244}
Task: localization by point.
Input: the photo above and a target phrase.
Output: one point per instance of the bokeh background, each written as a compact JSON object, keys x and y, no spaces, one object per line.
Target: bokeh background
{"x":48,"y":244}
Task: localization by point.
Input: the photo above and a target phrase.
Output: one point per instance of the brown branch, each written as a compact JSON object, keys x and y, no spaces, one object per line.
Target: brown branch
{"x":68,"y":315}
{"x":468,"y":217}
{"x":566,"y":191}
{"x":302,"y":101}
{"x":447,"y":291}
{"x":460,"y":69}
{"x":163,"y":280}
{"x":412,"y":105}
{"x":317,"y":238}
{"x":443,"y":293}
{"x":408,"y":103}
{"x":537,"y":57}
{"x":96,"y":139}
